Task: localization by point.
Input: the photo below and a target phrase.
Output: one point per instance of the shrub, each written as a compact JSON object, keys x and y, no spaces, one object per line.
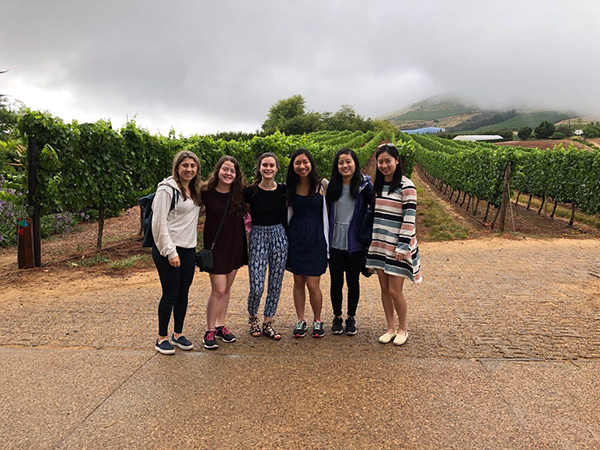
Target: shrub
{"x":544,"y":130}
{"x":524,"y":133}
{"x":59,"y":223}
{"x":566,"y":129}
{"x":591,"y":131}
{"x":558,"y":135}
{"x":11,"y":210}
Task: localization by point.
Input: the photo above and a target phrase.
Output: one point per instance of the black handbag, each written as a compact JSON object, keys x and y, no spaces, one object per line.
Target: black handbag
{"x":204,"y":257}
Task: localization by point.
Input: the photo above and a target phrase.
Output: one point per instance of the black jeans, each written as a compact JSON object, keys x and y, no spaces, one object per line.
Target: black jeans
{"x":341,"y":261}
{"x":175,"y":282}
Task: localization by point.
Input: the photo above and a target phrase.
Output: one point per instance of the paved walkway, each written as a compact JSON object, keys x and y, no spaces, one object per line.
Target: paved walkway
{"x":504,"y":352}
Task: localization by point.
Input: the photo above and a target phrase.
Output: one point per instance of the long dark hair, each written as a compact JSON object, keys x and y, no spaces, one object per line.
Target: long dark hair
{"x":291,"y":178}
{"x":195,"y":183}
{"x":379,"y":178}
{"x":237,"y":206}
{"x":336,"y":182}
{"x":257,"y":174}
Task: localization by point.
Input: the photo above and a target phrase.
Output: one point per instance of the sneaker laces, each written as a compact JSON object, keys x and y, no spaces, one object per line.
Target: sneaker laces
{"x":300,"y":324}
{"x":211,"y":335}
{"x":225,"y":331}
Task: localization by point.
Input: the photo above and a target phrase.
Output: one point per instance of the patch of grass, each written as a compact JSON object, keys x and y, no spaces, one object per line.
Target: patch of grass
{"x":93,"y":260}
{"x":561,"y":211}
{"x":128,"y":262}
{"x":438,"y":224}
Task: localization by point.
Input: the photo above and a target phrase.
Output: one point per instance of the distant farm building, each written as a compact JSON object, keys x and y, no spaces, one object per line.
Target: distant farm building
{"x":479,"y":137}
{"x":426,"y":130}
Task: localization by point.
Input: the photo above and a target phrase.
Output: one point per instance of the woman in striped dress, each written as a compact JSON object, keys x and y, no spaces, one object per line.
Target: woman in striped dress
{"x":393,"y":252}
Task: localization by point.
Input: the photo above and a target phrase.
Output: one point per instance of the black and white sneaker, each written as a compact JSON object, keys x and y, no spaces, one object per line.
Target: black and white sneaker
{"x":318,"y":329}
{"x":210,"y":340}
{"x":300,"y":329}
{"x":182,"y":342}
{"x":164,"y":347}
{"x":337,"y":327}
{"x":350,"y":326}
{"x":225,"y":335}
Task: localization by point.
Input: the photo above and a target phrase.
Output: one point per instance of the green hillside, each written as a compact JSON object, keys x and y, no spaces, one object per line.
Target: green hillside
{"x":455,"y":115}
{"x":531,"y":119}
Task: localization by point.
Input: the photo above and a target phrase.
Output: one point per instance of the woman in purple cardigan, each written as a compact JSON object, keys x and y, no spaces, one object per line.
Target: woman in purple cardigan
{"x":347,"y":198}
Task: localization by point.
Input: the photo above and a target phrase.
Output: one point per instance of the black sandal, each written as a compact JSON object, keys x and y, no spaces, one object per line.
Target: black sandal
{"x":254,"y":328}
{"x":270,"y":332}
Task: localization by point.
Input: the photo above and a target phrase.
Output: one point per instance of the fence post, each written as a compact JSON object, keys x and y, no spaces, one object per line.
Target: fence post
{"x":505,"y":195}
{"x":34,"y":205}
{"x":25,"y":257}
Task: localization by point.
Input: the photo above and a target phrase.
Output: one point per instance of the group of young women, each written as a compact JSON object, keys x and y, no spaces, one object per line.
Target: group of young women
{"x":303,"y":226}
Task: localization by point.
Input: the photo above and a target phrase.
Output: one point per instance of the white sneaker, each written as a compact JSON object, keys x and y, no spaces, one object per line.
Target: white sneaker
{"x":387,"y":337}
{"x":401,"y":338}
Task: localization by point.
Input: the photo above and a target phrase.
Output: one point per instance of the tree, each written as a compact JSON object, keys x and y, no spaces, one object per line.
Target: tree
{"x":283,"y":111}
{"x":544,"y":130}
{"x":346,"y":119}
{"x":524,"y":133}
{"x":290,"y":117}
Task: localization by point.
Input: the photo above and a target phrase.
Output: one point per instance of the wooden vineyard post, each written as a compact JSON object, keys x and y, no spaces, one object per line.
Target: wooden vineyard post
{"x":572,"y":214}
{"x":505,"y":196}
{"x":25,"y":257}
{"x":34,"y":205}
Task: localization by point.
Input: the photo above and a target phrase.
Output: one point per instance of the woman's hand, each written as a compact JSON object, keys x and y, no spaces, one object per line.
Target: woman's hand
{"x":400,"y":256}
{"x":175,"y":262}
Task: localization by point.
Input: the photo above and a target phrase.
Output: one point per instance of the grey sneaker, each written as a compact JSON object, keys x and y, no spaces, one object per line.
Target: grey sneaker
{"x":318,"y":329}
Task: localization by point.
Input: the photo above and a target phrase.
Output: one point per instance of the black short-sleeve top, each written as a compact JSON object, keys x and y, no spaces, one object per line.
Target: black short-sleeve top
{"x":267,"y":207}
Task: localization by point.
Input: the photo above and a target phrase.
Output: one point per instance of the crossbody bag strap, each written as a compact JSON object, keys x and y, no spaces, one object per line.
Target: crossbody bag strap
{"x":222,"y":220}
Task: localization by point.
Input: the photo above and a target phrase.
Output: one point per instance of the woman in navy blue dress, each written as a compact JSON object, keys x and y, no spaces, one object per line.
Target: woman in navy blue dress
{"x":308,"y":235}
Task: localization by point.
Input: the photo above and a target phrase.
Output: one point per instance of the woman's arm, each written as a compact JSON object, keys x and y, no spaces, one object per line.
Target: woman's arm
{"x":408,"y":226}
{"x":160,"y":229}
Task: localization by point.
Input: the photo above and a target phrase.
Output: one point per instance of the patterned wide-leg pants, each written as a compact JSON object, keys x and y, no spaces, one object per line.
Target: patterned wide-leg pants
{"x":268,"y":246}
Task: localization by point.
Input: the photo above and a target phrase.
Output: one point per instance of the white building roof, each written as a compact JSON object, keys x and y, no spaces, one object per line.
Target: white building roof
{"x":479,"y":137}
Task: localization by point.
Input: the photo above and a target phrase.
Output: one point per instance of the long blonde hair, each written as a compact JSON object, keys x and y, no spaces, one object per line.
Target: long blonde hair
{"x":195,"y":182}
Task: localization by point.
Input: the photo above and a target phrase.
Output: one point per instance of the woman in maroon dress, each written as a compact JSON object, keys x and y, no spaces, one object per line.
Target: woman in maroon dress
{"x":230,"y":251}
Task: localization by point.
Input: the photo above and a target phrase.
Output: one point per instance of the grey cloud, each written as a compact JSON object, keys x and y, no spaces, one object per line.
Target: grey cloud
{"x":201,"y":66}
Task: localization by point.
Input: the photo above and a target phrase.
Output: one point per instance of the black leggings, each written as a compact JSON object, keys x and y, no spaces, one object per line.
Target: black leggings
{"x":341,"y":261}
{"x":175,"y":282}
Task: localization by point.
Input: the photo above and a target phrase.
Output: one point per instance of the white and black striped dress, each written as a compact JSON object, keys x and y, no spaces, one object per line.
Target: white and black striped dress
{"x":394,"y":232}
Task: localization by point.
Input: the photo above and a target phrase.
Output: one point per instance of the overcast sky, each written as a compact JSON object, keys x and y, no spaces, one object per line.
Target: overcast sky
{"x":205,"y":66}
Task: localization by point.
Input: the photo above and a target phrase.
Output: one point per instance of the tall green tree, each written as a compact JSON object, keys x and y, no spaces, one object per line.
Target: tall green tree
{"x":544,"y":130}
{"x":285,"y":113}
{"x":524,"y":133}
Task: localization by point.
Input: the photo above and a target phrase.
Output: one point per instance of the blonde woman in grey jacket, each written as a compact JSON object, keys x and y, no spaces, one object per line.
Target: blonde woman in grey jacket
{"x":175,"y":238}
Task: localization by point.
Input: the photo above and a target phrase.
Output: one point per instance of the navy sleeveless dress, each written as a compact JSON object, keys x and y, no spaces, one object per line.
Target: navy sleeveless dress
{"x":307,"y":251}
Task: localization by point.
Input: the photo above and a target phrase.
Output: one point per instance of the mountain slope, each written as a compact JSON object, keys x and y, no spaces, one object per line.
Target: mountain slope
{"x":455,"y":115}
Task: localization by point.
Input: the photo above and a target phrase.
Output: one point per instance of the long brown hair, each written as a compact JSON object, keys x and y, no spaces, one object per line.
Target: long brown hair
{"x":237,"y":206}
{"x":195,"y":183}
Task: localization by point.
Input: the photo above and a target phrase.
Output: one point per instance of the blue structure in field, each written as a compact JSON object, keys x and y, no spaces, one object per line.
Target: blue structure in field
{"x":426,"y":130}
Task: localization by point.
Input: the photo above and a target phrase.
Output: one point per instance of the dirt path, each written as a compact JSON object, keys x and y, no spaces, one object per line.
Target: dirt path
{"x":486,"y":298}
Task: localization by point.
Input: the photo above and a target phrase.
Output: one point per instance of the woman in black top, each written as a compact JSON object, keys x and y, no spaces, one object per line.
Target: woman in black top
{"x":268,"y":243}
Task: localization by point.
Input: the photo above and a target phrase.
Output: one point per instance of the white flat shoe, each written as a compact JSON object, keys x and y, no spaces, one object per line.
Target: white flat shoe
{"x":387,"y":337}
{"x":401,"y":338}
